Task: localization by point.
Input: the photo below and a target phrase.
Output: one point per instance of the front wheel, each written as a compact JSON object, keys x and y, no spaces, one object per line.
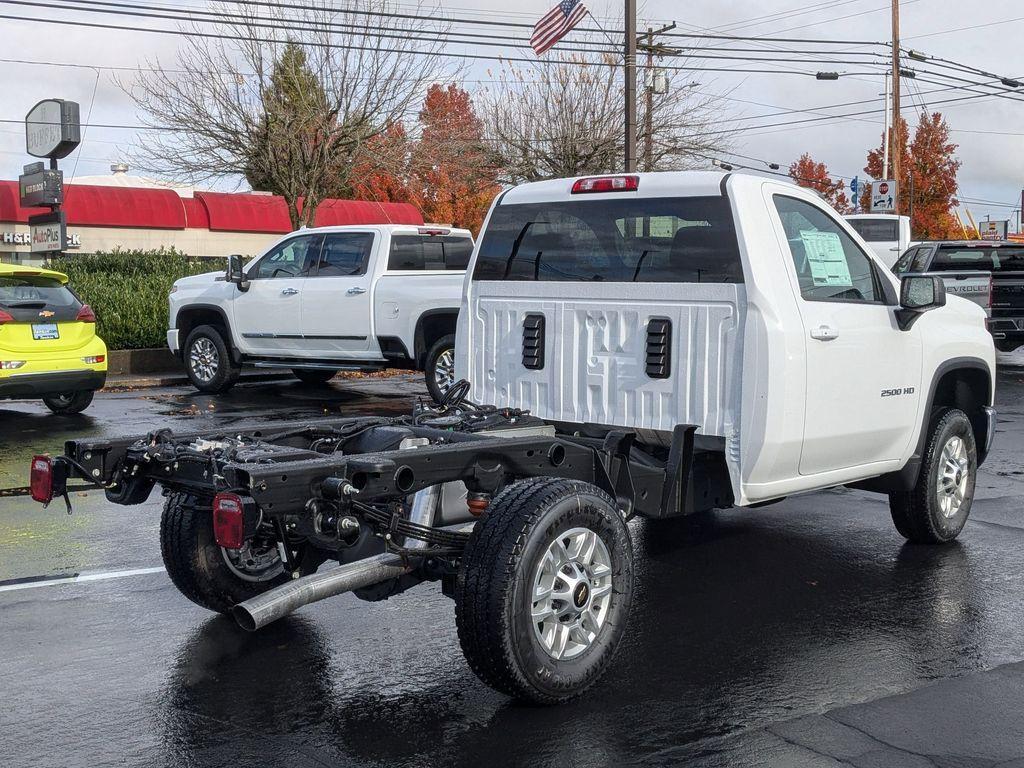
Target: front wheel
{"x":440,"y":368}
{"x":544,"y":589}
{"x":936,"y":509}
{"x":69,"y":402}
{"x":208,"y":360}
{"x":202,"y":570}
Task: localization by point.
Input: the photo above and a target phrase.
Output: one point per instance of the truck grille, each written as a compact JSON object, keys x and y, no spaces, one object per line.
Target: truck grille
{"x":533,"y":341}
{"x":659,"y":347}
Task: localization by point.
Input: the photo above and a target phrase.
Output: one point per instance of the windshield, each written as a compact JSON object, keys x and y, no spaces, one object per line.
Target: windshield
{"x":679,"y":239}
{"x":980,"y":258}
{"x":876,"y":230}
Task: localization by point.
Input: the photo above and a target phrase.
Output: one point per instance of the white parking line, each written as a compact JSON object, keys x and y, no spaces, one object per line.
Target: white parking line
{"x":101,"y":576}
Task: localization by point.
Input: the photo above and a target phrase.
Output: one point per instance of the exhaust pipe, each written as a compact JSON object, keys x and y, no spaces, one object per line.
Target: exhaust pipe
{"x":277,"y":603}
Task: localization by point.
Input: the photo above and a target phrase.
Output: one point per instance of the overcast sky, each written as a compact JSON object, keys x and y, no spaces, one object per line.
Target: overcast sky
{"x":989,"y":131}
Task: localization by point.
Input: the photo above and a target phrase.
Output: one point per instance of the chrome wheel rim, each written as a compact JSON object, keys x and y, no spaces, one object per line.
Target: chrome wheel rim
{"x":444,"y":370}
{"x":203,"y":359}
{"x":254,"y":562}
{"x":572,"y":592}
{"x":954,"y":472}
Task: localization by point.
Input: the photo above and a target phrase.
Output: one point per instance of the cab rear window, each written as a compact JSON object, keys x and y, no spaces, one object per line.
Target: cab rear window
{"x":29,"y":292}
{"x":876,"y":230}
{"x":644,"y":240}
{"x":979,"y":258}
{"x":424,"y":252}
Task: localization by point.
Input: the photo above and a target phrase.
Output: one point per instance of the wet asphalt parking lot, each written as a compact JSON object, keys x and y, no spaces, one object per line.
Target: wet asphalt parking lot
{"x":800,"y":634}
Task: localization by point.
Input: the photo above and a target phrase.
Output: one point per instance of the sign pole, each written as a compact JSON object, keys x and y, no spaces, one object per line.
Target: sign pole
{"x":894,"y":134}
{"x":52,"y":130}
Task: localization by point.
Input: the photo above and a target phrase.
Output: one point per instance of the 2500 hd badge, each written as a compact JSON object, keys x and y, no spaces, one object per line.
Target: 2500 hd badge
{"x":898,"y":391}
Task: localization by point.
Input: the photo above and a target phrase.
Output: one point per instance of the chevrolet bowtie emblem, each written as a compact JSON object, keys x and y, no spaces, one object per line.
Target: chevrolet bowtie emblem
{"x":46,"y":313}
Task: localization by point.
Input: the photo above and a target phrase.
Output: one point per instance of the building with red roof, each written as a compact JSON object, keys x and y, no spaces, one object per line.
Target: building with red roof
{"x":109,"y":213}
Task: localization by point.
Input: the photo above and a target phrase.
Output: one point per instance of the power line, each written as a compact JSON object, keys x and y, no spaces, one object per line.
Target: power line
{"x":377,"y":49}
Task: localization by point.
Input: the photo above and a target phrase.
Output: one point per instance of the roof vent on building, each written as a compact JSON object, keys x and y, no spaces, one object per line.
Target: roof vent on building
{"x":119,"y":168}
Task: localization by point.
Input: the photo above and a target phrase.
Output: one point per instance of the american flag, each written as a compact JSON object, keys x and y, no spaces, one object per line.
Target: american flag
{"x":556,"y":24}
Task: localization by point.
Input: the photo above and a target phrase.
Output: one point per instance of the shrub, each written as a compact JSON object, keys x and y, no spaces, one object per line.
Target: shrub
{"x":128,"y":290}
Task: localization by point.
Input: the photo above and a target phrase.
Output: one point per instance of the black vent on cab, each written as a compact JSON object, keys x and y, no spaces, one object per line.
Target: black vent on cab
{"x":533,"y":342}
{"x":659,"y":347}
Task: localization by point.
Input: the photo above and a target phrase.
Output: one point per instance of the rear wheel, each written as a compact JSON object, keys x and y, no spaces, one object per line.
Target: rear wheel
{"x":936,"y":509}
{"x":69,"y":402}
{"x":208,"y":360}
{"x":440,"y":368}
{"x":544,"y":589}
{"x":202,"y":570}
{"x":313,"y":375}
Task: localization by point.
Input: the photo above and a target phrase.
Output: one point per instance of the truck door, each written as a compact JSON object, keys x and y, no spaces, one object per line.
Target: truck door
{"x":863,"y":373}
{"x":337,"y":298}
{"x":266,"y":316}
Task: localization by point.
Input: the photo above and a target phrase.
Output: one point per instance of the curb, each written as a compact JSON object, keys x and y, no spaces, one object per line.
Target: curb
{"x":123,"y":382}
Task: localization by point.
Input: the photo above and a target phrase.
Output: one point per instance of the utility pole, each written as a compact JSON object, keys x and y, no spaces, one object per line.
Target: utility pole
{"x":653,"y":85}
{"x":649,"y":104}
{"x":894,"y":134}
{"x":630,"y":86}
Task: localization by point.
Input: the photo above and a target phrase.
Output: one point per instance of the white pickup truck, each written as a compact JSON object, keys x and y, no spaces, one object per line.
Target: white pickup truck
{"x":324,"y":300}
{"x":654,"y":345}
{"x":888,"y":235}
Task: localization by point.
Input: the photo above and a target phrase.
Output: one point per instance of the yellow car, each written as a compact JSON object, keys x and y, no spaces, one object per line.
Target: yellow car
{"x":48,"y":343}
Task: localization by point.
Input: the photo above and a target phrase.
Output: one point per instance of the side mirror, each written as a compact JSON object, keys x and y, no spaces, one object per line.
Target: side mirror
{"x":236,"y":273}
{"x":918,"y":294}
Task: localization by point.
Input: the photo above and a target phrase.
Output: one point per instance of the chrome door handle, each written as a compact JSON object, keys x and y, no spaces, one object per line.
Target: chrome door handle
{"x":289,"y":291}
{"x":824,"y":333}
{"x":355,"y":291}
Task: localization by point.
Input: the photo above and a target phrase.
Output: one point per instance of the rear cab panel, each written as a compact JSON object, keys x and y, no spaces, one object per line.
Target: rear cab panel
{"x":606,"y":271}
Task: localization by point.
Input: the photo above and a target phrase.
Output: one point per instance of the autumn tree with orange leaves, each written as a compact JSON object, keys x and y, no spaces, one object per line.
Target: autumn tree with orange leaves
{"x":813,"y":175}
{"x":445,"y":170}
{"x":928,"y":169}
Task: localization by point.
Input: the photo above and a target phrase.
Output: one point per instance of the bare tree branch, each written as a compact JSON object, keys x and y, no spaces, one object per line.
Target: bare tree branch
{"x":289,"y":98}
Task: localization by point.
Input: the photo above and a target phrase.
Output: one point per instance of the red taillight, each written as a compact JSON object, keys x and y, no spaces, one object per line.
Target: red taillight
{"x":229,"y":520}
{"x":433,"y":231}
{"x":41,"y":479}
{"x":86,"y":315}
{"x":606,"y":184}
{"x":6,"y":317}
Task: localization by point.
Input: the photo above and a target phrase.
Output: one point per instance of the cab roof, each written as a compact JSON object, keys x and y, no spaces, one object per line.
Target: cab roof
{"x":662,"y":184}
{"x":16,"y":270}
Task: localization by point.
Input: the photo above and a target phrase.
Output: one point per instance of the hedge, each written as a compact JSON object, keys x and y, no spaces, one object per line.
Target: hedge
{"x":128,"y":290}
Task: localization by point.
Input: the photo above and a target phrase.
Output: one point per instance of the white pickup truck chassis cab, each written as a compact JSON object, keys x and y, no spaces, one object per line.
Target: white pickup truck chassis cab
{"x":323,"y":300}
{"x":648,"y":345}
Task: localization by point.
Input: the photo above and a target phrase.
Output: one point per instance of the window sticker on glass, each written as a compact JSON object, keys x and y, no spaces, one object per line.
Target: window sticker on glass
{"x":826,"y":258}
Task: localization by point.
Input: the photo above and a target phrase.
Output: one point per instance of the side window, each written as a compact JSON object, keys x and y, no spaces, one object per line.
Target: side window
{"x":903,"y":262}
{"x":829,"y":265}
{"x":345,"y":254}
{"x":292,"y":258}
{"x":920,"y":262}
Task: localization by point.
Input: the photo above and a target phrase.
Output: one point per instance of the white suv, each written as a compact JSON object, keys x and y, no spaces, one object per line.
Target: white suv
{"x":324,"y":300}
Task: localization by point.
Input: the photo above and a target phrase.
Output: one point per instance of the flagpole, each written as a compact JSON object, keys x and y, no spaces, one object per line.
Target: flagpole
{"x":630,"y":86}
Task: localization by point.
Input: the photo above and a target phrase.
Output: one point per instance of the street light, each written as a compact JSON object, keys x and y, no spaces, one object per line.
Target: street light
{"x":826,"y":76}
